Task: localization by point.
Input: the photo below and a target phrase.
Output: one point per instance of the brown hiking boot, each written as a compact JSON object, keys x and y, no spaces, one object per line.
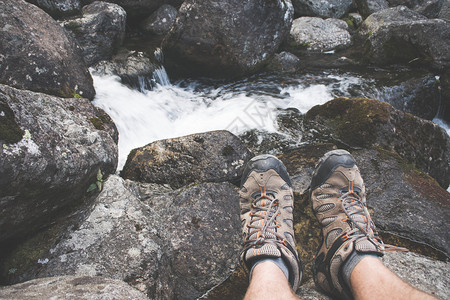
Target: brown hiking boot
{"x":338,"y":199}
{"x":266,"y":214}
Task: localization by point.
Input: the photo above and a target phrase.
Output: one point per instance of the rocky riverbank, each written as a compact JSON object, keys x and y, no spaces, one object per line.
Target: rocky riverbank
{"x":167,"y":226}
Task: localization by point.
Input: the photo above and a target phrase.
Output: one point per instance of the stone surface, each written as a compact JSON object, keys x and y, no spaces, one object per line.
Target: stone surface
{"x":58,"y":8}
{"x":365,"y":123}
{"x":167,"y":244}
{"x":225,"y":38}
{"x":428,"y":8}
{"x":161,"y":20}
{"x":423,"y":41}
{"x":368,"y":7}
{"x":285,"y":61}
{"x":100,"y":30}
{"x":205,"y":157}
{"x":37,"y":54}
{"x":316,"y":34}
{"x":73,"y":288}
{"x":50,"y":152}
{"x":323,"y":9}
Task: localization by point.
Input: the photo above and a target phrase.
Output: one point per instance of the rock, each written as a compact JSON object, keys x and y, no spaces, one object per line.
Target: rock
{"x":121,"y":238}
{"x":225,"y":38}
{"x":50,"y":152}
{"x":316,"y":34}
{"x":58,"y":8}
{"x":423,"y":41}
{"x":100,"y":30}
{"x":169,"y":246}
{"x":428,"y":8}
{"x":445,"y":11}
{"x":356,"y":19}
{"x":161,"y":20}
{"x":36,"y":53}
{"x":368,"y":7}
{"x":215,"y":156}
{"x":72,"y":287}
{"x":324,"y":9}
{"x":284,"y":61}
{"x":365,"y":123}
{"x":204,"y":230}
{"x":139,"y":9}
{"x":134,"y":68}
{"x":444,"y":106}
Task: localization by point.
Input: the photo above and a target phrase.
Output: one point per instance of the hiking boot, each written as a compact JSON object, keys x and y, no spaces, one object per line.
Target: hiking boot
{"x":267,"y":204}
{"x":338,"y":199}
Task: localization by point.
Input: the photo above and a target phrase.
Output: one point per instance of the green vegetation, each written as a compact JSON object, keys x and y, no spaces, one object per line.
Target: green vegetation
{"x":98,"y":184}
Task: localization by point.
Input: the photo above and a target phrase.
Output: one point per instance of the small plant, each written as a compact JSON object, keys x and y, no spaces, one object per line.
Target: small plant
{"x":98,"y":184}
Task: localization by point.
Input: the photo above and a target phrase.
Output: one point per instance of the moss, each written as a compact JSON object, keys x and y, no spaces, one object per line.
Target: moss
{"x":10,"y":131}
{"x":98,"y":123}
{"x":350,"y":22}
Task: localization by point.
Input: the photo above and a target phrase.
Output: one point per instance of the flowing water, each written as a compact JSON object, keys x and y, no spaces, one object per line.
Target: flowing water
{"x":193,"y":106}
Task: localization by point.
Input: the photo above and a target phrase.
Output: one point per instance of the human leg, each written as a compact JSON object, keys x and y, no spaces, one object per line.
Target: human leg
{"x":269,"y":251}
{"x":347,"y":263}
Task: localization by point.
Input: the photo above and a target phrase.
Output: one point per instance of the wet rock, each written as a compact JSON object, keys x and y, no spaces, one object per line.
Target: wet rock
{"x":58,"y":8}
{"x":225,"y":38}
{"x":72,"y":287}
{"x":37,"y":54}
{"x":205,"y":157}
{"x":100,"y":30}
{"x":323,"y":9}
{"x":316,"y":34}
{"x":284,"y":62}
{"x":161,"y":20}
{"x":423,"y":41}
{"x":134,"y":68}
{"x":51,"y":150}
{"x":368,"y":7}
{"x":365,"y":123}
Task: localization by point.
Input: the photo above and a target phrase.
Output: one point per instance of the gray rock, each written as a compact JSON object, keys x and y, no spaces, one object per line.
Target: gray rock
{"x":284,"y":61}
{"x":428,"y":8}
{"x":316,"y":34}
{"x":366,"y":123}
{"x":323,"y":9}
{"x":100,"y":30}
{"x":174,"y":245}
{"x":356,"y":18}
{"x":121,"y":238}
{"x":161,"y":20}
{"x":368,"y":7}
{"x":215,"y":156}
{"x":50,"y":152}
{"x":73,"y":288}
{"x":36,"y":53}
{"x":134,"y":68}
{"x":58,"y":8}
{"x":405,"y":202}
{"x":225,"y":38}
{"x":423,"y":41}
{"x":445,"y":11}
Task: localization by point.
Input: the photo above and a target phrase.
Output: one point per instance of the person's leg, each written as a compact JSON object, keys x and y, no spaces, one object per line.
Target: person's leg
{"x":347,"y":264}
{"x":371,"y":279}
{"x":269,"y":251}
{"x":269,"y":282}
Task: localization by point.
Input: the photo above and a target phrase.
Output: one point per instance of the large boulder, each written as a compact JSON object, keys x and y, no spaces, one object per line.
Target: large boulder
{"x":366,"y":123}
{"x":226,"y":38}
{"x":160,"y":21}
{"x":72,"y":287}
{"x":169,"y":245}
{"x":99,"y":31}
{"x":428,"y":8}
{"x":51,"y":150}
{"x":323,"y":9}
{"x":422,"y":41}
{"x":368,"y":7}
{"x":37,"y":54}
{"x":58,"y":8}
{"x":205,"y":157}
{"x":316,"y":34}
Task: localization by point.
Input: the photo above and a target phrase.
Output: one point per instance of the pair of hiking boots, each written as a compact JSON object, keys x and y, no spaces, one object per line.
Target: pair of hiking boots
{"x":338,"y":200}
